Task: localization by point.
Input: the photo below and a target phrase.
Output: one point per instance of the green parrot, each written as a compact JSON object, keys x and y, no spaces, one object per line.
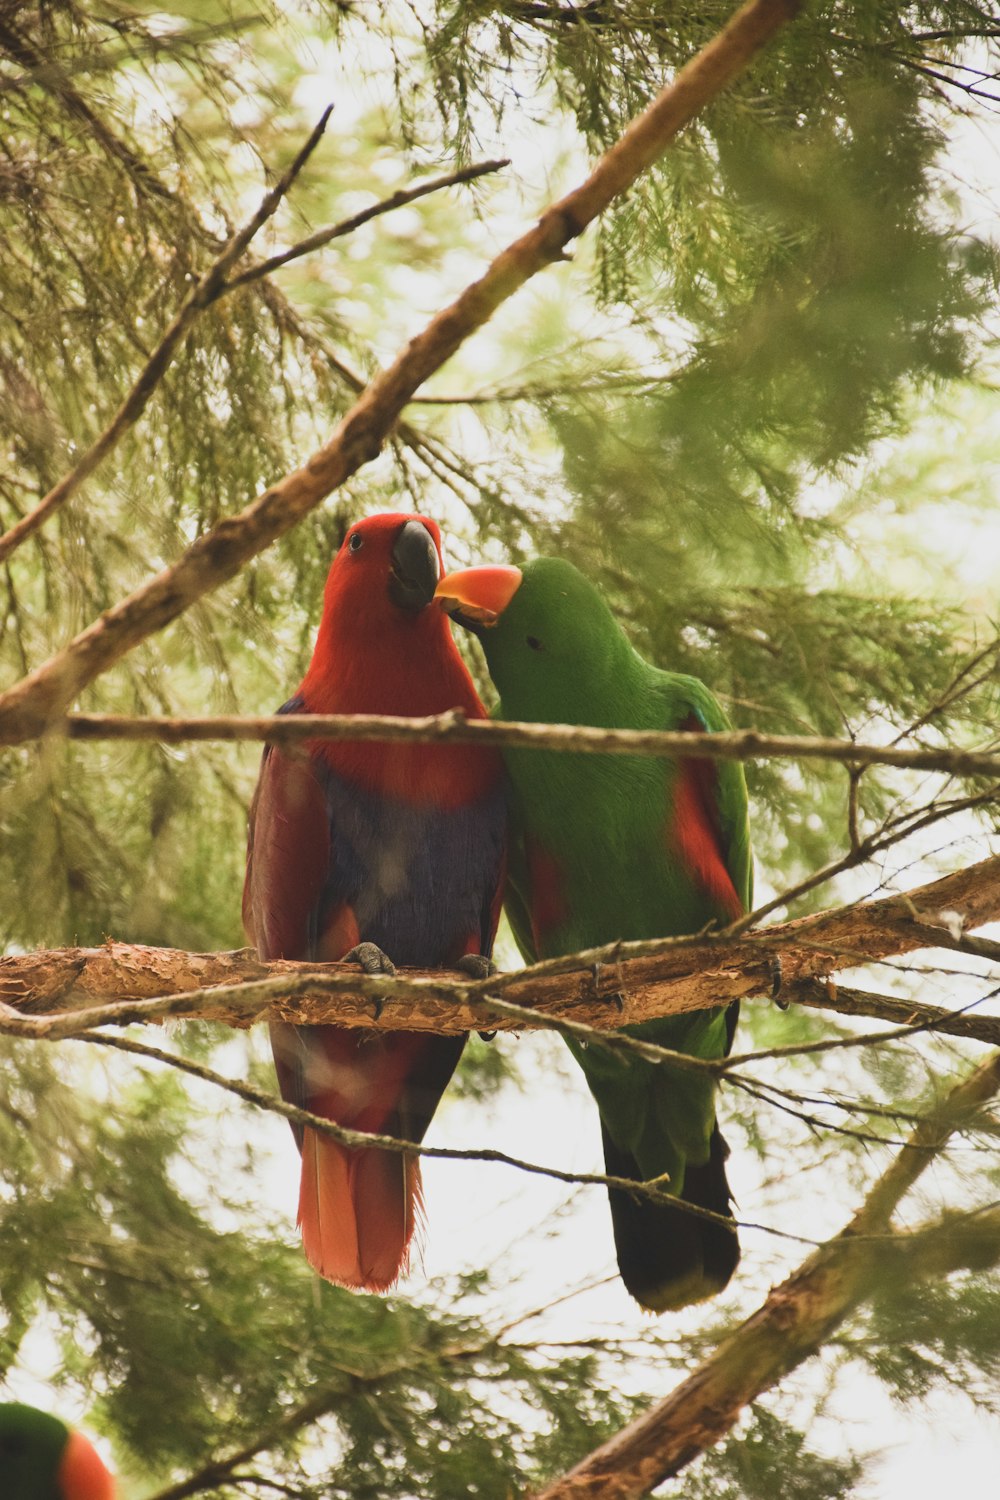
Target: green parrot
{"x":608,"y":847}
{"x":43,"y":1459}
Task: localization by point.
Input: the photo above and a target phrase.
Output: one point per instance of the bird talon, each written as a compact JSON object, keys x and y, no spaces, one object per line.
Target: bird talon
{"x":371,"y":958}
{"x":477,"y":966}
{"x":774,"y":966}
{"x":378,"y":1006}
{"x":487,"y":1036}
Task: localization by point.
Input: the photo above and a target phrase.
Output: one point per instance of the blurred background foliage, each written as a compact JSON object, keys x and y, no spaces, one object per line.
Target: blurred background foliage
{"x":758,"y":407}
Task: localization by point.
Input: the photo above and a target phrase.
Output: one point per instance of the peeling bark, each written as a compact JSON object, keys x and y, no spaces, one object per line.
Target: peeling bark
{"x":122,"y":983}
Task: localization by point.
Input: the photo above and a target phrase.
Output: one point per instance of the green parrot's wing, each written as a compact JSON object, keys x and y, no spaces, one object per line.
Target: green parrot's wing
{"x":693,"y":707}
{"x":516,"y":900}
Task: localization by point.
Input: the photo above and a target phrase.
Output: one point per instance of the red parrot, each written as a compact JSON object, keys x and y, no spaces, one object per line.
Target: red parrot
{"x":381,"y":853}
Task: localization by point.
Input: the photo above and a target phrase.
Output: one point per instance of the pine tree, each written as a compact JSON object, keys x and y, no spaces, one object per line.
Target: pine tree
{"x":756,"y":406}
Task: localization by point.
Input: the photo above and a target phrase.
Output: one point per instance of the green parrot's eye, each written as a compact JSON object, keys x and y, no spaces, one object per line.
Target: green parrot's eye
{"x":535,"y":643}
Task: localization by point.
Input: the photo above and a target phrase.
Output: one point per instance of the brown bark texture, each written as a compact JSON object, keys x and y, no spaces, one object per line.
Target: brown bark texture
{"x":69,"y":989}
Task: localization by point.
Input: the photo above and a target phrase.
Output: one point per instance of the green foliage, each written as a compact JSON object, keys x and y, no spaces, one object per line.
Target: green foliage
{"x":921,"y":1335}
{"x":768,"y":1457}
{"x":756,"y":409}
{"x":187,"y":1354}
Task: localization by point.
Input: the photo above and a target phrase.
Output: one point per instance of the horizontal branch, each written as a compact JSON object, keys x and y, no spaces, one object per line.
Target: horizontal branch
{"x":794,"y":1322}
{"x":45,"y":694}
{"x":454,"y":728}
{"x":63,"y":992}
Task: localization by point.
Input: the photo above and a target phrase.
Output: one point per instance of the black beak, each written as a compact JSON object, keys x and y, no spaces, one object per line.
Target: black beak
{"x":415,"y":569}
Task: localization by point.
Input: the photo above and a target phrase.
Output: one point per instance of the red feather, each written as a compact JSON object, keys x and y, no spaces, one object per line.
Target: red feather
{"x":82,"y":1474}
{"x":357,"y":1208}
{"x":697,"y":831}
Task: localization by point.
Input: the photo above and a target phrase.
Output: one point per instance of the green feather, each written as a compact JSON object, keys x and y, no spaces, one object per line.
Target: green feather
{"x":602,"y":827}
{"x":31,"y":1450}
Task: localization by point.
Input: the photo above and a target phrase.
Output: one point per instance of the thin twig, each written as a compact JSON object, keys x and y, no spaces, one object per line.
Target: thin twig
{"x":361,"y":1140}
{"x":453,"y":728}
{"x":201,"y":295}
{"x":347,"y":226}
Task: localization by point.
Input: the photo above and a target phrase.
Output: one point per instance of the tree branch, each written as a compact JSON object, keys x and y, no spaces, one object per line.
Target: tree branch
{"x":64,"y":992}
{"x":347,"y":226}
{"x":795,"y":1320}
{"x":453,"y":727}
{"x":44,"y":695}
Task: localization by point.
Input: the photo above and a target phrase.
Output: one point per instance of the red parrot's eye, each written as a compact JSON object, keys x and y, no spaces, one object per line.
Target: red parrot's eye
{"x":355,"y":541}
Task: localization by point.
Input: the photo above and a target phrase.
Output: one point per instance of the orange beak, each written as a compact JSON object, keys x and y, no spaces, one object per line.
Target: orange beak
{"x":478,"y":596}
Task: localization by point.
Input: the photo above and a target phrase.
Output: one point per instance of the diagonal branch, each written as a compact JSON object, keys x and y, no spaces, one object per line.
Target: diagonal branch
{"x":654,"y":1190}
{"x":795,"y":1320}
{"x":65,"y":992}
{"x":348,"y":226}
{"x":206,"y":290}
{"x":45,"y":694}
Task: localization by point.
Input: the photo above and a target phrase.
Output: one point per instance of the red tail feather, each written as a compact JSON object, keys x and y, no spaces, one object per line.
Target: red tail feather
{"x":357,"y":1211}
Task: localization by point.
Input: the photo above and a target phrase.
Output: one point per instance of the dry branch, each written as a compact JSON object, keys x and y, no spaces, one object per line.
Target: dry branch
{"x":454,"y":728}
{"x":44,"y":695}
{"x":70,"y":990}
{"x":793,"y":1323}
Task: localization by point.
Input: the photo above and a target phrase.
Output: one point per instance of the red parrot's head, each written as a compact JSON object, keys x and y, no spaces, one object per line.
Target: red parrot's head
{"x":387,"y":564}
{"x":383,"y":645}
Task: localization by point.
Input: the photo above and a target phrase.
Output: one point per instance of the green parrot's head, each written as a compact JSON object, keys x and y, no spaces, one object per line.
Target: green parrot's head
{"x":553,"y":647}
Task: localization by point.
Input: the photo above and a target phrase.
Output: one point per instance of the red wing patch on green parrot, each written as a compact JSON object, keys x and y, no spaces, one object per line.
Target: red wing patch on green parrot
{"x":82,"y":1474}
{"x":548,"y":899}
{"x":696,"y":831}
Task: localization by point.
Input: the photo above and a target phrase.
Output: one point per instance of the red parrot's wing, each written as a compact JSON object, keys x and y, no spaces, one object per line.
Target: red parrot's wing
{"x":356,"y":1207}
{"x":288,"y":856}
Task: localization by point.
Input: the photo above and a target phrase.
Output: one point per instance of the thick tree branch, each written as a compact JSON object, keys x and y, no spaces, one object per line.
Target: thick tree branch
{"x":454,"y":728}
{"x":67,"y":991}
{"x":45,"y":694}
{"x":795,"y":1320}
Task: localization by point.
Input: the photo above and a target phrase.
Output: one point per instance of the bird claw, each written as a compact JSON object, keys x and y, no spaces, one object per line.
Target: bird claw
{"x":615,"y":999}
{"x":371,"y":958}
{"x":374,"y":962}
{"x":478,"y":966}
{"x":774,"y":965}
